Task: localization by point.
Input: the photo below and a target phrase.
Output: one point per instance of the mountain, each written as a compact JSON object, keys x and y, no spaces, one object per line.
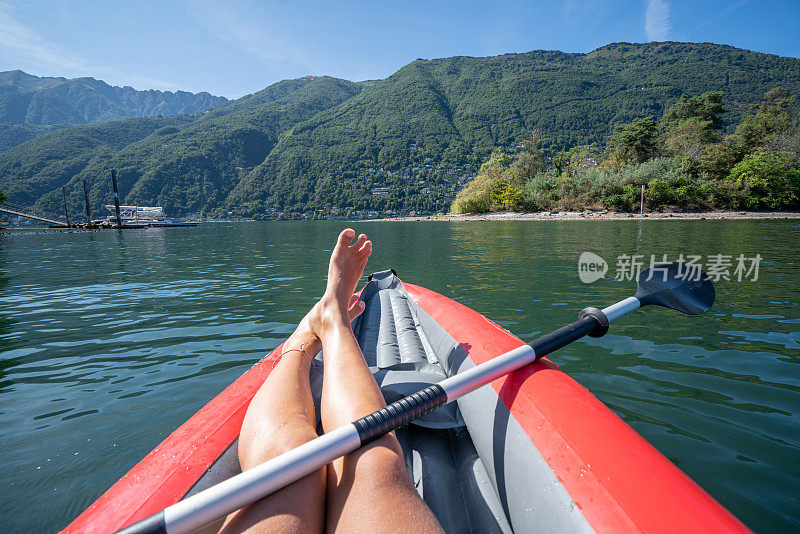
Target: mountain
{"x":185,"y":163}
{"x":32,"y":104}
{"x":16,"y":81}
{"x":463,"y":106}
{"x":314,"y":143}
{"x":54,"y":159}
{"x":15,"y":134}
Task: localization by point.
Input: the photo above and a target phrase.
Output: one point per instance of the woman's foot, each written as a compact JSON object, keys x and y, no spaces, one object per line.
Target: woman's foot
{"x":339,"y":306}
{"x":347,"y":266}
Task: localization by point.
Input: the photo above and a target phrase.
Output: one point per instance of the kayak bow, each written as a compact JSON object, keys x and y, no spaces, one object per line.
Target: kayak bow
{"x":552,"y":428}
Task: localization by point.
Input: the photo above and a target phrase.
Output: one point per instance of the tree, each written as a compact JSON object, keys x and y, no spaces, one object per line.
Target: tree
{"x":571,"y":162}
{"x":507,"y":195}
{"x":476,"y":197}
{"x":497,"y":163}
{"x":3,"y":197}
{"x":769,"y":120}
{"x":487,"y":190}
{"x":692,"y":124}
{"x":720,"y":158}
{"x":689,"y":137}
{"x":634,"y":142}
{"x":707,"y":107}
{"x":560,"y":162}
{"x":530,"y":161}
{"x":767,"y":126}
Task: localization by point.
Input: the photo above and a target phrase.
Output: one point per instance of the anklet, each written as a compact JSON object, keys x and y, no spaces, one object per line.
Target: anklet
{"x":301,"y":349}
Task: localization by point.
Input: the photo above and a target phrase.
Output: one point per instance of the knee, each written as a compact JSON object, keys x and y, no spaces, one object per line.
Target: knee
{"x":381,"y":464}
{"x":271,"y":441}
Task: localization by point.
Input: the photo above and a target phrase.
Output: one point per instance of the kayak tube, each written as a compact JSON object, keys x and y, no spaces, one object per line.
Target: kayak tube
{"x":533,"y":451}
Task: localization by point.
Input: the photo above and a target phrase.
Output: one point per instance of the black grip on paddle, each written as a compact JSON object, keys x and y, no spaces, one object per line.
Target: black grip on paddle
{"x":563,"y":336}
{"x":602,"y":321}
{"x":400,"y":413}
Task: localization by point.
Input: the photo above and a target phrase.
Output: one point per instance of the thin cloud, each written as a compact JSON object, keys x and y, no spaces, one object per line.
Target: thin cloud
{"x":250,"y":29}
{"x":23,"y":47}
{"x":721,"y":14}
{"x":22,"y":44}
{"x":657,"y":24}
{"x":583,"y":12}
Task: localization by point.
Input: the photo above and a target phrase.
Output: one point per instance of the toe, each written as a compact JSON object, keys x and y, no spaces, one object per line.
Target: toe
{"x":360,"y":242}
{"x":365,"y":249}
{"x":345,"y":237}
{"x":355,"y":310}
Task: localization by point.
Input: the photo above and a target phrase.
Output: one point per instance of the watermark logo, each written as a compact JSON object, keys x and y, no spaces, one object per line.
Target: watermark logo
{"x":591,"y":267}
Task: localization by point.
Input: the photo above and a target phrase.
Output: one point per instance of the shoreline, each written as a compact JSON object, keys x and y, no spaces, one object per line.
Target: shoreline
{"x":557,"y":215}
{"x":600,"y":215}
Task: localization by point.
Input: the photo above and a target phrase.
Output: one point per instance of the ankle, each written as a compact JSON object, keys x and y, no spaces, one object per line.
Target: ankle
{"x":301,"y":355}
{"x":334,"y":317}
{"x":307,"y":339}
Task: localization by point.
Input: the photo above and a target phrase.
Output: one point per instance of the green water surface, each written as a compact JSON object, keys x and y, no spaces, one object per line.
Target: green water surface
{"x":110,"y":340}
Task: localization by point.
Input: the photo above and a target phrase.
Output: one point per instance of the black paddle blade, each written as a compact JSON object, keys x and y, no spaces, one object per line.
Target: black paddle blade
{"x":676,"y":285}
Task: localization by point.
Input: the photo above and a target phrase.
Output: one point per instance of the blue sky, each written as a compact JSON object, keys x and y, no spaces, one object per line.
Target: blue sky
{"x":236,"y":47}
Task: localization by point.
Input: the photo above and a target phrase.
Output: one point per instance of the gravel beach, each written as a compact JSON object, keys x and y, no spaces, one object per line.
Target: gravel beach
{"x":593,"y":215}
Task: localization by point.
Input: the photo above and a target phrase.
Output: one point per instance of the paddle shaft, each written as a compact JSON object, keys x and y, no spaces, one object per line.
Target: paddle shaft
{"x":236,"y":492}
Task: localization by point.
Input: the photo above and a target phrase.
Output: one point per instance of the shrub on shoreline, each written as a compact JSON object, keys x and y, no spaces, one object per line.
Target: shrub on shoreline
{"x":767,"y":180}
{"x":691,"y":167}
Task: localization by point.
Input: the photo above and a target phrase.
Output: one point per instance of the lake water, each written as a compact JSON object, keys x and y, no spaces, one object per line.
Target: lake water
{"x":110,"y":340}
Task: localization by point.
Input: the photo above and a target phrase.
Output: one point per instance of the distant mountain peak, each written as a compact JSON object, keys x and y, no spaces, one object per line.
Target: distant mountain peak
{"x":42,"y":101}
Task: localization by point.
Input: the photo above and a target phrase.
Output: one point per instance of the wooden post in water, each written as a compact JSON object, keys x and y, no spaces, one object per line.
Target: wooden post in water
{"x":66,"y":211}
{"x":116,"y":197}
{"x":88,"y":209}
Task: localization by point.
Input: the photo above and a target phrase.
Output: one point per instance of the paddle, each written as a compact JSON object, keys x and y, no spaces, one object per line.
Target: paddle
{"x":673,"y":285}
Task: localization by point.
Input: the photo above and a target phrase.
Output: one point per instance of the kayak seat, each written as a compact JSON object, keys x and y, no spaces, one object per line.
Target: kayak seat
{"x":440,"y":457}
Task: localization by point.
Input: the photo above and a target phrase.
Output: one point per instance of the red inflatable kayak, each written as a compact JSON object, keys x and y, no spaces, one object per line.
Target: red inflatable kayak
{"x":534,"y":451}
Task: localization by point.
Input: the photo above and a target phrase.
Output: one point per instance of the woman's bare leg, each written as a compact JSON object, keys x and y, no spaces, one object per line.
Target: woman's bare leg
{"x":368,"y":490}
{"x":281,"y":417}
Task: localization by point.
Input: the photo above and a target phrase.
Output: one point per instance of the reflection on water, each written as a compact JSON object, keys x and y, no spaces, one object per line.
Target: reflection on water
{"x":109,"y":340}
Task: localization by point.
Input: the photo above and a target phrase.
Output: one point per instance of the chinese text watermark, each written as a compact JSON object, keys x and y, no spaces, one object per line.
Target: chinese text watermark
{"x":716,"y":267}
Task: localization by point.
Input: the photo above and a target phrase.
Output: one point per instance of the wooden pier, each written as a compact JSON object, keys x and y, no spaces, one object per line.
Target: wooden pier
{"x":112,"y":222}
{"x":11,"y":209}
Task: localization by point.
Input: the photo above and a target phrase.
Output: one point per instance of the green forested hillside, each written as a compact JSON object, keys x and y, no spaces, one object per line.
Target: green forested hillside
{"x":457,"y":108}
{"x":317,"y":143}
{"x":53,"y":159}
{"x":187,"y":164}
{"x":16,"y":134}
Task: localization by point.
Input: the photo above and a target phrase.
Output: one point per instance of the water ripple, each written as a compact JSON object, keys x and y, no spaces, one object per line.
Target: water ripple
{"x":110,"y":340}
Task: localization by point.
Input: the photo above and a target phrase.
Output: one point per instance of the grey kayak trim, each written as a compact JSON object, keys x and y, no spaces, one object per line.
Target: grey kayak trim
{"x":522,"y":483}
